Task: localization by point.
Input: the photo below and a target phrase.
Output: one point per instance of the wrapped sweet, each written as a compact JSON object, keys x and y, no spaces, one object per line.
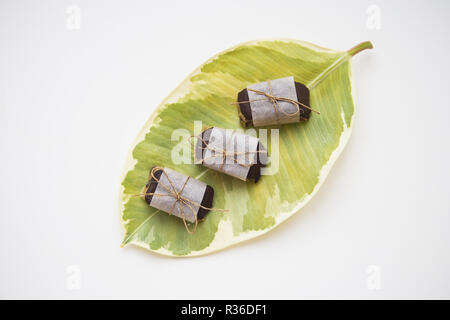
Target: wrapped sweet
{"x":231,"y":152}
{"x":274,"y":102}
{"x":179,"y":195}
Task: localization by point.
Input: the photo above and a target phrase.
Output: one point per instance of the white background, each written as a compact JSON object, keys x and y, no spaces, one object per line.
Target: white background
{"x":72,"y":102}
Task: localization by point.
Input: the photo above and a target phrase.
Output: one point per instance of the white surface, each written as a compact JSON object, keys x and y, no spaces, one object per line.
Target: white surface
{"x":72,"y":101}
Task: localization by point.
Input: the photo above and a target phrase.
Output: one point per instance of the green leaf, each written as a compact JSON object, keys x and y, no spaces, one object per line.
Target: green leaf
{"x":307,"y":151}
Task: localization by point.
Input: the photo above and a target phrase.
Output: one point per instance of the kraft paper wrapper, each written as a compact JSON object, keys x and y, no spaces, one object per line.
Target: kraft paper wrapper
{"x":231,"y":141}
{"x":263,"y":112}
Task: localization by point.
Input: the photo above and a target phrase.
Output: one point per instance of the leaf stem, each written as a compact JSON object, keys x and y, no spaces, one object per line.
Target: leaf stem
{"x":360,"y":47}
{"x":350,"y":53}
